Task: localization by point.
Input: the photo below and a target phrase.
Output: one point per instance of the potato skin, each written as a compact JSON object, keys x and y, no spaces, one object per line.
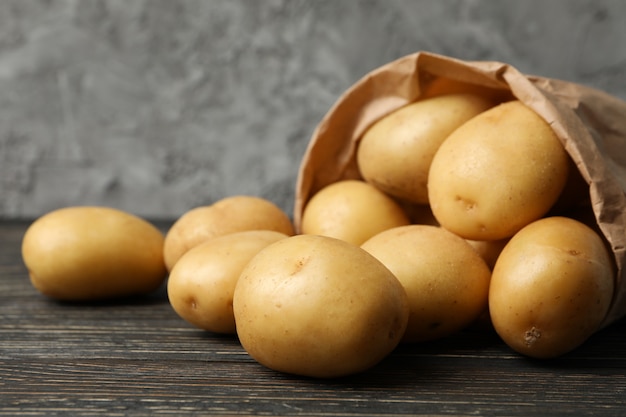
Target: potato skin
{"x":88,"y":253}
{"x":201,"y":285}
{"x":551,"y":287}
{"x":489,"y":250}
{"x":228,"y":215}
{"x":318,"y":306}
{"x":496,"y":173}
{"x":446,"y":280}
{"x":351,"y":210}
{"x":395,"y":153}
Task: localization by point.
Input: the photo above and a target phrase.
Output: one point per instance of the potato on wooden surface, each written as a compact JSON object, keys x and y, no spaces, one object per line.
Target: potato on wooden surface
{"x":87,"y":253}
{"x":228,"y":215}
{"x":318,"y":306}
{"x":551,"y":287}
{"x":395,"y":153}
{"x":351,"y":210}
{"x":496,"y":173}
{"x":446,"y":280}
{"x":201,"y":285}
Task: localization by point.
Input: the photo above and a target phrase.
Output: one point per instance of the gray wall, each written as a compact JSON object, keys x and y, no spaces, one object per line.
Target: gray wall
{"x":157,"y":106}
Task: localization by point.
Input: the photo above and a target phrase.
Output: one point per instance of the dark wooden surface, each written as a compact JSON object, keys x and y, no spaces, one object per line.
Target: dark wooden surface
{"x":139,"y":358}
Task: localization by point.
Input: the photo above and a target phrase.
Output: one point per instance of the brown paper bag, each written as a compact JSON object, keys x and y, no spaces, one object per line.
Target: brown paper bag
{"x":591,"y":125}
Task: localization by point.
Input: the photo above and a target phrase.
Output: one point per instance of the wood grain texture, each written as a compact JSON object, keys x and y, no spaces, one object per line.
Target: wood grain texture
{"x":138,"y":357}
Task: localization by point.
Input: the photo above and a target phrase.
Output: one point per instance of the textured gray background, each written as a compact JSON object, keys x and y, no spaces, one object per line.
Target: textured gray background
{"x":157,"y":106}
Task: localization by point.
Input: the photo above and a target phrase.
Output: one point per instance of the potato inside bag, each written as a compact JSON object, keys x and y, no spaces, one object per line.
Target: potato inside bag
{"x":590,"y":124}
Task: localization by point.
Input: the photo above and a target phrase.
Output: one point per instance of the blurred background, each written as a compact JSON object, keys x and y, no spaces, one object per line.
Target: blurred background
{"x":159,"y":106}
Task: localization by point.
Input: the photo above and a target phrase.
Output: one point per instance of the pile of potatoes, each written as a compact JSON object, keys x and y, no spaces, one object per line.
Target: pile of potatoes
{"x":480,"y":213}
{"x":303,"y":304}
{"x":468,"y":210}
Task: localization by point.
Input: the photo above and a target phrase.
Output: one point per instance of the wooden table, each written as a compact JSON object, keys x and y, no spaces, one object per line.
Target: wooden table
{"x":139,"y":358}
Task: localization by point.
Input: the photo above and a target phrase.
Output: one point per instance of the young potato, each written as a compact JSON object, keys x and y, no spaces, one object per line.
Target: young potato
{"x":320,"y":307}
{"x":489,"y":250}
{"x":395,"y":153}
{"x":351,"y":210}
{"x":551,"y":287}
{"x":228,"y":215}
{"x":86,"y":253}
{"x":446,"y":280}
{"x":496,"y":173}
{"x":201,"y":284}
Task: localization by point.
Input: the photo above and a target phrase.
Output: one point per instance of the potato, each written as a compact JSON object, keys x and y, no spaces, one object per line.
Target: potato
{"x":496,"y":173}
{"x":201,"y":284}
{"x":446,"y":280}
{"x":228,"y":215}
{"x":351,"y":210}
{"x":489,"y":250}
{"x":87,"y":253}
{"x":395,"y":153}
{"x":551,"y":287}
{"x":319,"y":307}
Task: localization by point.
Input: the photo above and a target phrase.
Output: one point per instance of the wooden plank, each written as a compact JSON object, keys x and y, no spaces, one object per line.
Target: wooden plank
{"x":138,"y":357}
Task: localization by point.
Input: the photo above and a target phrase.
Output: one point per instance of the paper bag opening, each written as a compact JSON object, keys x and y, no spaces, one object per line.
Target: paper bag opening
{"x":590,"y":124}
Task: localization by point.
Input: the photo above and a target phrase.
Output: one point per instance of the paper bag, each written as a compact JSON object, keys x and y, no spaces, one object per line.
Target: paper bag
{"x":590,"y":124}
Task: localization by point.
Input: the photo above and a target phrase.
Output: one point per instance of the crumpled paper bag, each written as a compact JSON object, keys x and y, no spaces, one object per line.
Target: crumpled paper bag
{"x":591,"y":124}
